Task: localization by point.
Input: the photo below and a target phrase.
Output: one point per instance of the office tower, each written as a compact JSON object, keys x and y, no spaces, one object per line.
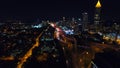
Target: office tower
{"x":97,"y":15}
{"x":85,"y":21}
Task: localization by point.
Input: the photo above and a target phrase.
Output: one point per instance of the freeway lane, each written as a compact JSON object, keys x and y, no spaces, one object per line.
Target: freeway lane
{"x":48,"y":51}
{"x":108,"y":59}
{"x":104,"y":55}
{"x":84,"y":58}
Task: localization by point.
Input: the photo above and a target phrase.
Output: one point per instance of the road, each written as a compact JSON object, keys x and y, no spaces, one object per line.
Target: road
{"x":29,"y":52}
{"x":84,"y":58}
{"x":76,"y":56}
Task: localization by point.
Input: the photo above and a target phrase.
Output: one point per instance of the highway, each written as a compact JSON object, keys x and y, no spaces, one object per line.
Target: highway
{"x":64,"y":52}
{"x":84,"y":58}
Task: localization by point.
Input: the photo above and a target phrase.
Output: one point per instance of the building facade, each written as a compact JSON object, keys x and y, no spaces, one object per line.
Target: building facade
{"x":97,"y":16}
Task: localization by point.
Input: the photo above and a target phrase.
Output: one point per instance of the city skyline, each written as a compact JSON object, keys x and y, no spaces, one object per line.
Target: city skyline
{"x":59,"y":34}
{"x":55,"y":9}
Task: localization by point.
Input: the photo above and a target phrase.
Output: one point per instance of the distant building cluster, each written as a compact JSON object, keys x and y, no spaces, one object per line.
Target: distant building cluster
{"x":76,"y":25}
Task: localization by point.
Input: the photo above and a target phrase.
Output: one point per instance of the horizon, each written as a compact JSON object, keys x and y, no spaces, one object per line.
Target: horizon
{"x":55,"y":9}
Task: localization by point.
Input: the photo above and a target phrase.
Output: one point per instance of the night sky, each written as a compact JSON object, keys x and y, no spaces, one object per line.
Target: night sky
{"x":57,"y":8}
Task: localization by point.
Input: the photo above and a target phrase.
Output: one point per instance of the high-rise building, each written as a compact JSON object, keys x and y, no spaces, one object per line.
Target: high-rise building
{"x":85,"y":21}
{"x":73,"y":19}
{"x":97,"y":15}
{"x":64,"y":18}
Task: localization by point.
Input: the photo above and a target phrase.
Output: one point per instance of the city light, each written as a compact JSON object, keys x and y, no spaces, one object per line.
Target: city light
{"x":98,"y":5}
{"x":63,"y":36}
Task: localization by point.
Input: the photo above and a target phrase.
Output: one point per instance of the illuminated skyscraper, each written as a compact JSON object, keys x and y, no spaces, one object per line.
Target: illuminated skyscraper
{"x":97,"y":15}
{"x":85,"y":21}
